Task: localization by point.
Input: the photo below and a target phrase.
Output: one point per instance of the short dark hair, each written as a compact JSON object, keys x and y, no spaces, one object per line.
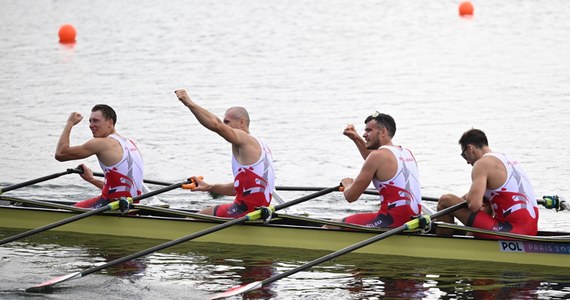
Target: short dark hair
{"x":383,"y":121}
{"x":107,"y":111}
{"x":475,"y":137}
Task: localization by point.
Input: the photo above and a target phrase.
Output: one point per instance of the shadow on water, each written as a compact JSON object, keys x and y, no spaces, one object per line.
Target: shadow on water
{"x":197,"y":270}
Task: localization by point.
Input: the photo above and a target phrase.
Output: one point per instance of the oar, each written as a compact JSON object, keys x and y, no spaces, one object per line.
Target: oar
{"x":111,"y":206}
{"x":410,"y":225}
{"x":314,"y":188}
{"x":144,"y":180}
{"x":251,"y":216}
{"x":367,"y":191}
{"x":549,"y":202}
{"x":34,"y":181}
{"x":156,"y":182}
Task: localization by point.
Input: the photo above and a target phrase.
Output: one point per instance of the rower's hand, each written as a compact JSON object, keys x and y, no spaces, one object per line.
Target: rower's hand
{"x":74,"y":118}
{"x":87,"y":174}
{"x":198,"y":184}
{"x":183,"y":97}
{"x":346,"y":183}
{"x":350,"y":132}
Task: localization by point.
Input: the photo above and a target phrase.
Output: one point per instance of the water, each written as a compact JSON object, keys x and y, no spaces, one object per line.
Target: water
{"x":198,"y":271}
{"x":304,"y":69}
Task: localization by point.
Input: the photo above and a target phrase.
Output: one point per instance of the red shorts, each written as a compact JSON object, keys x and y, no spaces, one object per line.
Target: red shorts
{"x":519,"y":222}
{"x":382,"y":219}
{"x":95,"y":202}
{"x":370,"y":219}
{"x":240,"y":208}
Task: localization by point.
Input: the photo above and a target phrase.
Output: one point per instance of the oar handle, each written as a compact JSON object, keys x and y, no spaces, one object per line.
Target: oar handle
{"x":193,"y":184}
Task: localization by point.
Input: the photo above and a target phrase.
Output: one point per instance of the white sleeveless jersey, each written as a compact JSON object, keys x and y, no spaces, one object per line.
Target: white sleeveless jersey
{"x":404,"y":188}
{"x":516,"y":193}
{"x":124,"y":179}
{"x":258,"y":177}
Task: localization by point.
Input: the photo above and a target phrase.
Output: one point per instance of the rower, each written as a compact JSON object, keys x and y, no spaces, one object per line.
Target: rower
{"x":393,"y":171}
{"x":252,"y":162}
{"x":501,"y":197}
{"x":118,"y":156}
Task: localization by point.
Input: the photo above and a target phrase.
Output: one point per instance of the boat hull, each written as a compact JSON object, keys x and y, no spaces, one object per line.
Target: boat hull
{"x":555,"y":254}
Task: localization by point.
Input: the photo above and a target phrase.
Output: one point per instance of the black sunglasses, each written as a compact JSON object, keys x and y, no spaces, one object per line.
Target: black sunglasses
{"x":463,"y":153}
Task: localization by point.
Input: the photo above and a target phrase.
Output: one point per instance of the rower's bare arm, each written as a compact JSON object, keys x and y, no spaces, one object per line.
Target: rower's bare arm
{"x":220,"y":188}
{"x":87,"y":175}
{"x":65,"y":152}
{"x":355,"y":188}
{"x":351,"y":133}
{"x":224,"y":189}
{"x":63,"y":143}
{"x":209,"y":120}
{"x":478,"y":186}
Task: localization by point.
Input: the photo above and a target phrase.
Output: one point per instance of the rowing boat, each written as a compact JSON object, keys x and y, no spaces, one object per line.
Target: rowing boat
{"x":547,"y":249}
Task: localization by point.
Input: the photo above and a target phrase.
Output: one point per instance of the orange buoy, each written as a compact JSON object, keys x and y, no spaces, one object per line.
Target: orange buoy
{"x":67,"y":34}
{"x":466,"y":9}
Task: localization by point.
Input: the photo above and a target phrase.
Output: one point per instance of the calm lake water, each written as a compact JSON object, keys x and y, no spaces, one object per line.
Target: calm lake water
{"x":304,"y":69}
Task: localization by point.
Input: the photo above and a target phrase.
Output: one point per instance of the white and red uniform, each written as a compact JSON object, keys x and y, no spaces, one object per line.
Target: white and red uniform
{"x":400,"y":196}
{"x":124,"y":179}
{"x":514,"y":203}
{"x":253,"y":185}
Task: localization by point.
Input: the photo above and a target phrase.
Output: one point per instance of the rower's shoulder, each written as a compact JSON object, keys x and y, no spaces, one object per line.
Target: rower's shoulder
{"x":380,"y":156}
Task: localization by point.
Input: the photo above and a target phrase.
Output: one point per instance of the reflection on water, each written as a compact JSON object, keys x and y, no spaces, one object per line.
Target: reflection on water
{"x":203,"y":269}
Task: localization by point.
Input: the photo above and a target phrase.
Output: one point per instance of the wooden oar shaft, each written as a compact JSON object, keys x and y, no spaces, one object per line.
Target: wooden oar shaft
{"x":359,"y":245}
{"x":55,"y":224}
{"x":37,"y":180}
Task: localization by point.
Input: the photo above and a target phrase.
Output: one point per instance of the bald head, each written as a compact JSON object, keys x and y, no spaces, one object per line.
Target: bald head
{"x":238,"y":113}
